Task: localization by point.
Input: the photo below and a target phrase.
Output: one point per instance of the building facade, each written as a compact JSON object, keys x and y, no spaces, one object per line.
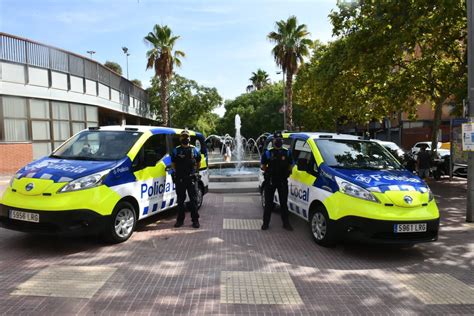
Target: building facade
{"x":48,"y":94}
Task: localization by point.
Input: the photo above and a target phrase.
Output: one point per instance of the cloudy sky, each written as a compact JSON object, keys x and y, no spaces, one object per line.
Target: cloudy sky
{"x":224,"y":40}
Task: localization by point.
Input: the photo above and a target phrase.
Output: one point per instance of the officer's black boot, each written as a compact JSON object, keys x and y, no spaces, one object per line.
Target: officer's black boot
{"x":178,"y":224}
{"x":264,"y":226}
{"x":196,"y":224}
{"x":287,"y":226}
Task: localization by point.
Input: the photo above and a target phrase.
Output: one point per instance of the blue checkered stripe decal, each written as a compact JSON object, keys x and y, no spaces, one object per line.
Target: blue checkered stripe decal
{"x":154,"y":207}
{"x":293,"y":207}
{"x":296,"y":209}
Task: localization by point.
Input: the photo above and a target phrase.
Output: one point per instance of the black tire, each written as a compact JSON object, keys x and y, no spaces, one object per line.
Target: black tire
{"x":122,"y":223}
{"x":322,"y":227}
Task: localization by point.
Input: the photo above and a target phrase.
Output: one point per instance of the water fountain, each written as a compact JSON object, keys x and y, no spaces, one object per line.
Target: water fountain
{"x":241,"y":174}
{"x":238,"y":140}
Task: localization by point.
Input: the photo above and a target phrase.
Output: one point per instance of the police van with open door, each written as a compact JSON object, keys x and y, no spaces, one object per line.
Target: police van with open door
{"x":100,"y":180}
{"x":347,"y":187}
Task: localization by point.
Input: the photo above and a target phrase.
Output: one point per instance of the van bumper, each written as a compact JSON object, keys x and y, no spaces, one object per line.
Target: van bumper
{"x":68,"y":222}
{"x":382,"y":232}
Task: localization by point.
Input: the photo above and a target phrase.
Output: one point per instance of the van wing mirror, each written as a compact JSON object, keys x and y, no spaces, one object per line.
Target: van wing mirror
{"x":302,"y":164}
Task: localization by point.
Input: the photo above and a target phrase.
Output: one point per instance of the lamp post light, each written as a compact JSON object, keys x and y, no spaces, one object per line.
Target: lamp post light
{"x":125,"y":51}
{"x":91,"y":52}
{"x":284,"y":104}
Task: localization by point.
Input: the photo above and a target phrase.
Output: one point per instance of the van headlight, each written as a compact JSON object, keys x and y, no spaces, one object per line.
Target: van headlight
{"x":86,"y":182}
{"x":354,"y":190}
{"x":430,"y":195}
{"x":12,"y":179}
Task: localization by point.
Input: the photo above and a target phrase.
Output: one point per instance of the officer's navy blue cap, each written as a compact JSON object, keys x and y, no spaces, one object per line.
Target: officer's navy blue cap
{"x":277,"y":134}
{"x":184,"y":133}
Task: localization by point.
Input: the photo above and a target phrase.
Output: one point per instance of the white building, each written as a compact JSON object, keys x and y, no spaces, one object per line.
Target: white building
{"x":48,"y":94}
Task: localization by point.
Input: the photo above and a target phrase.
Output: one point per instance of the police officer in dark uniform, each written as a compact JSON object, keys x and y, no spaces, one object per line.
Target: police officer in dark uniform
{"x":276,"y":164}
{"x":185,"y":162}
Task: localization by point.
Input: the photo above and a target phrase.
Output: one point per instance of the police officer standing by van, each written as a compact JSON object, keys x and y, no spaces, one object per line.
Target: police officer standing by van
{"x":276,"y":164}
{"x":186,"y":160}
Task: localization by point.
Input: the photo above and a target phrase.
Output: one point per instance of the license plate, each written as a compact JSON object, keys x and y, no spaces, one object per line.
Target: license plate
{"x":24,"y":216}
{"x":409,"y":228}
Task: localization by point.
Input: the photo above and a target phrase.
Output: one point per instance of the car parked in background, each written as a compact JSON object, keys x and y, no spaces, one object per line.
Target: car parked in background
{"x":402,"y":156}
{"x":392,"y":147}
{"x":442,"y":152}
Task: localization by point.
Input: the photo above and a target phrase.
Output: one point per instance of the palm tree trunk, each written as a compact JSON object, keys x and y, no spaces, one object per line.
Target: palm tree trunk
{"x":164,"y":99}
{"x":289,"y":101}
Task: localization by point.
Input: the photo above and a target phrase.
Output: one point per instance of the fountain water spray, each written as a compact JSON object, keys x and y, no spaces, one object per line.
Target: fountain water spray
{"x":238,"y":140}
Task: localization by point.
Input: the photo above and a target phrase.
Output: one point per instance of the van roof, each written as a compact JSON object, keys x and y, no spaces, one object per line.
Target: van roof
{"x":145,"y":128}
{"x":322,"y":135}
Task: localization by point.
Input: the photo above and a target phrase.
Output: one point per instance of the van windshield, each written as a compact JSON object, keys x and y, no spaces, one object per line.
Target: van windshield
{"x":356,"y":154}
{"x":97,"y":145}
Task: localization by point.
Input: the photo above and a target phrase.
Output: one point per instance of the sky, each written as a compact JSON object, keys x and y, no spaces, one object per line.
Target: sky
{"x":224,"y":40}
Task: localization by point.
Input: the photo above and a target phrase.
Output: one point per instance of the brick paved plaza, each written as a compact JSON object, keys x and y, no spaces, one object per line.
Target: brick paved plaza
{"x":229,"y":266}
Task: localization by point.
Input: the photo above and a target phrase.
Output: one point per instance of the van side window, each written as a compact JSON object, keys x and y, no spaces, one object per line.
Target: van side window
{"x":151,"y":152}
{"x":301,"y":150}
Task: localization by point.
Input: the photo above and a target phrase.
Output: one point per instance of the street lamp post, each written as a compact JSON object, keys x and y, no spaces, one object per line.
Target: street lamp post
{"x":91,"y":52}
{"x":125,"y":51}
{"x":284,"y":104}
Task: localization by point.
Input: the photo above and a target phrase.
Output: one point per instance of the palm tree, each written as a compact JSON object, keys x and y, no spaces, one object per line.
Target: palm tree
{"x":259,"y":79}
{"x":291,"y":46}
{"x":162,"y":58}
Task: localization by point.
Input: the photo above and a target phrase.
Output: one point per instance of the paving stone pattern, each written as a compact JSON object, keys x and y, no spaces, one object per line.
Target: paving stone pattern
{"x":162,"y":270}
{"x":258,"y":288}
{"x":249,"y":224}
{"x":74,"y":281}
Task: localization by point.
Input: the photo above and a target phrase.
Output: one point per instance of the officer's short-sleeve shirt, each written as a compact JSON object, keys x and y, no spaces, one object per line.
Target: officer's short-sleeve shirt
{"x":267,"y":155}
{"x":185,"y":166}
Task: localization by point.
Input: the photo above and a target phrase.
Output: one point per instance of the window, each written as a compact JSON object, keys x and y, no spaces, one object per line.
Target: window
{"x":77,"y":127}
{"x":15,"y":119}
{"x":60,"y":111}
{"x":92,"y":114}
{"x":39,"y":109}
{"x":41,"y":149}
{"x":356,"y":154}
{"x":61,"y":130}
{"x":40,"y":130}
{"x":98,"y":145}
{"x":303,"y":151}
{"x":151,"y":153}
{"x":77,"y":112}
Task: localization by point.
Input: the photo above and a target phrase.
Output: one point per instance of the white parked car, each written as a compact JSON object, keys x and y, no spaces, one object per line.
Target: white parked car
{"x":393,"y":147}
{"x":441,"y":151}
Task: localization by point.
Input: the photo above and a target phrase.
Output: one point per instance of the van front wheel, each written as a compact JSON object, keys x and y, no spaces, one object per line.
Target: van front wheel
{"x":122,"y":223}
{"x":322,"y":227}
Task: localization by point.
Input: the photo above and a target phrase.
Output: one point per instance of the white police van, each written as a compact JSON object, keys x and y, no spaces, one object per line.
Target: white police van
{"x":347,"y":187}
{"x":100,"y":180}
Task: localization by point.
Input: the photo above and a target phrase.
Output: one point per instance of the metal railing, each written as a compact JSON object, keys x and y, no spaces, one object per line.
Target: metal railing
{"x":24,"y":51}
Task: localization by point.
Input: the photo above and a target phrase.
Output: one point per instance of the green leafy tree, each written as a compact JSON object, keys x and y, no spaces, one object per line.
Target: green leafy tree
{"x":291,"y":46}
{"x":259,"y":79}
{"x":137,"y":82}
{"x":190,"y":104}
{"x":258,"y":110}
{"x":162,"y":58}
{"x":411,"y":51}
{"x":113,"y":66}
